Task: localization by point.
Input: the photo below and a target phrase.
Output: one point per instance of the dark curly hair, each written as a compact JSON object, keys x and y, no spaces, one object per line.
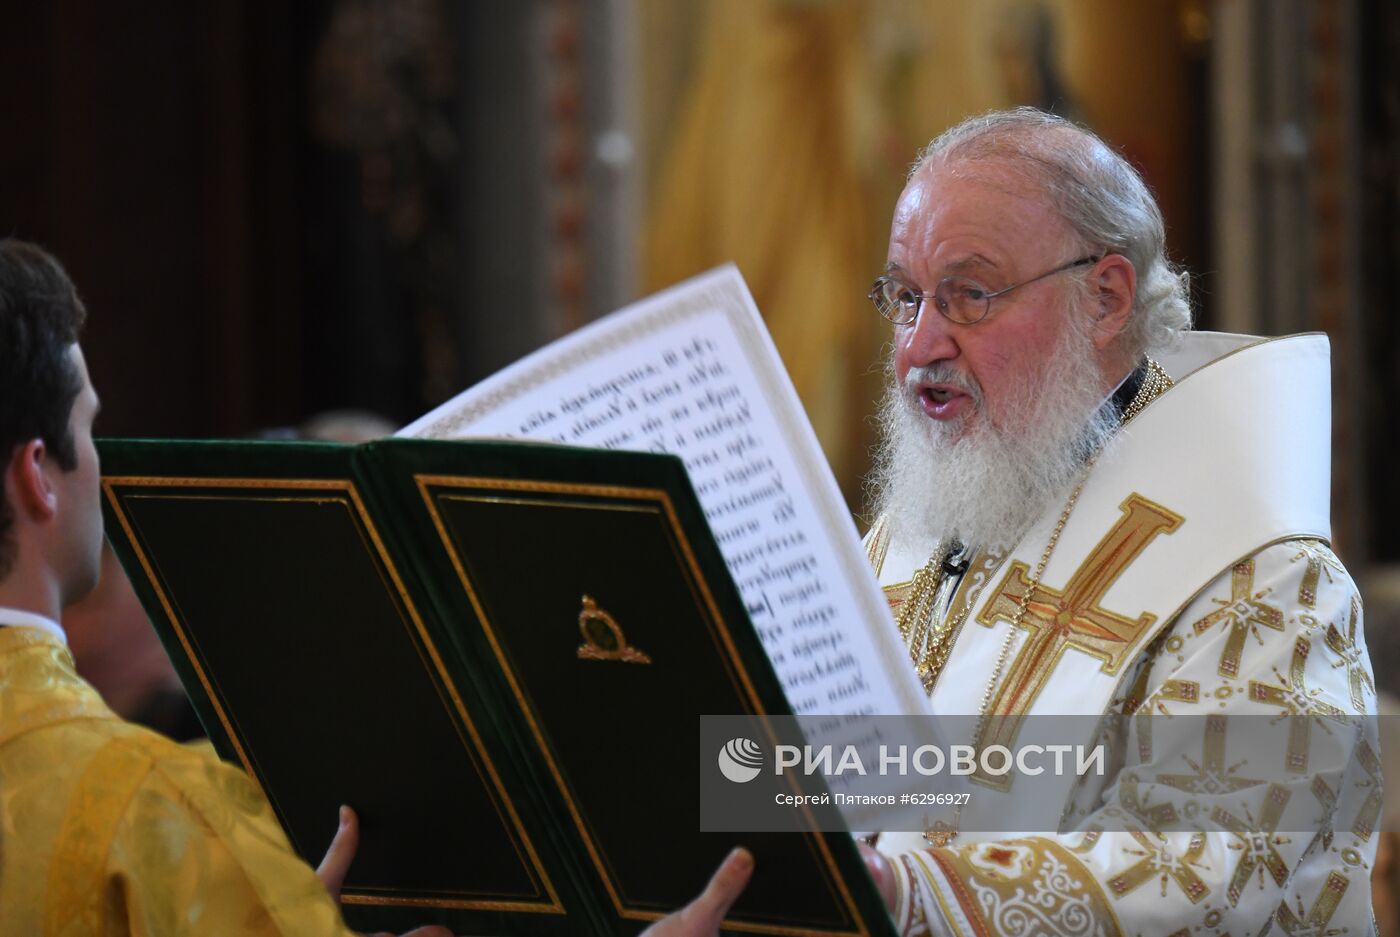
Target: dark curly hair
{"x":40,"y":319}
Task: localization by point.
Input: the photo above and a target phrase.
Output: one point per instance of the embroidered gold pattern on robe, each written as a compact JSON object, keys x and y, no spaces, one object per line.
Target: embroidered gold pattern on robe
{"x":111,"y":829}
{"x":1350,"y":654}
{"x":1295,"y":700}
{"x":1031,"y":885}
{"x":1314,"y":923}
{"x":1249,"y":875}
{"x":1321,"y":561}
{"x":1212,"y":772}
{"x":1243,"y":611}
{"x":930,"y":626}
{"x":1073,"y":617}
{"x":1257,"y":842}
{"x":1159,"y":861}
{"x":1367,"y":815}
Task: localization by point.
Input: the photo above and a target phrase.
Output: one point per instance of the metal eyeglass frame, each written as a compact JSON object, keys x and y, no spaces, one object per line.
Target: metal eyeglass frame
{"x":882,"y":303}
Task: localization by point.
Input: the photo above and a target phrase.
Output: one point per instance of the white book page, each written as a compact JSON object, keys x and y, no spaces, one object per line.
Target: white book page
{"x":692,"y":371}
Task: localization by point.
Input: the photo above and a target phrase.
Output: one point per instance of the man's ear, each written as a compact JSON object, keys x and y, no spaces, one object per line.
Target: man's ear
{"x":28,"y":481}
{"x":1113,"y":286}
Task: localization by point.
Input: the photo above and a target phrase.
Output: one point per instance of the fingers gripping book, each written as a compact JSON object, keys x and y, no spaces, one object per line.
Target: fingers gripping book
{"x":498,"y":651}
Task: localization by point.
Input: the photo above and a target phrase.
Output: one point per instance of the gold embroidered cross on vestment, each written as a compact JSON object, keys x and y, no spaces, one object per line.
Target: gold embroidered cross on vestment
{"x":1072,"y":617}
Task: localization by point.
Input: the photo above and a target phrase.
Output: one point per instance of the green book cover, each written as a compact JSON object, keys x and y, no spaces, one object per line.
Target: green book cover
{"x":498,"y":653}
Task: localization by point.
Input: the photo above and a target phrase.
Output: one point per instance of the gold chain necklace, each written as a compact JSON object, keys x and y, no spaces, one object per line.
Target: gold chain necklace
{"x":942,"y":833}
{"x":916,"y":616}
{"x":916,"y":620}
{"x":1155,"y":382}
{"x":929,"y":652}
{"x":1032,"y":584}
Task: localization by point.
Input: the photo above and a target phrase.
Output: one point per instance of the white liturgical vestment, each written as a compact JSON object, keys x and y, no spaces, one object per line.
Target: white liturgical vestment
{"x":1191,"y":577}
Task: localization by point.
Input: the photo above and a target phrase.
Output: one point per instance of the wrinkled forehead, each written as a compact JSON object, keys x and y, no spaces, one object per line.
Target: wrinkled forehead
{"x":961,"y":207}
{"x":993,"y":181}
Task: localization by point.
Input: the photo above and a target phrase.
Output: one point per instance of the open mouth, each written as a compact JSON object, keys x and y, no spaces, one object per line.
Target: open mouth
{"x":942,"y":401}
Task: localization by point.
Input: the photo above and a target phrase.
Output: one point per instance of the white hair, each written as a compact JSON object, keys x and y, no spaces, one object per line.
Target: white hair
{"x":1096,"y":191}
{"x":981,"y":483}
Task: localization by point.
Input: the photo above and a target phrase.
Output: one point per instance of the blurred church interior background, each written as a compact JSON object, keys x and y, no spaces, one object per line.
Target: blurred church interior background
{"x":274,"y":209}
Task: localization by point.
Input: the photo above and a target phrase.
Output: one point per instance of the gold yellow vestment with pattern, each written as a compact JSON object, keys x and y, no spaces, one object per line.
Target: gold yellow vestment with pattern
{"x":107,"y":828}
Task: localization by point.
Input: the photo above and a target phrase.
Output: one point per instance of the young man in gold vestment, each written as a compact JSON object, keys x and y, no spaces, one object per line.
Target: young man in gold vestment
{"x":105,"y":827}
{"x":1086,"y":510}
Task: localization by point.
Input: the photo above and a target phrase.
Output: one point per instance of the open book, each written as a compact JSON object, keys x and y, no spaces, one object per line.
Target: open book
{"x":497,"y":651}
{"x":693,"y":372}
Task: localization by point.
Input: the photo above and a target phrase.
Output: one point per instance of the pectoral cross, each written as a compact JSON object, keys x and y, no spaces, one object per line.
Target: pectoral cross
{"x":1072,"y":617}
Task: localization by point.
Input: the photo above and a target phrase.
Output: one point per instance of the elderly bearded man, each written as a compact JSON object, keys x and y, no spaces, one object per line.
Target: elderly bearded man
{"x":1068,"y":524}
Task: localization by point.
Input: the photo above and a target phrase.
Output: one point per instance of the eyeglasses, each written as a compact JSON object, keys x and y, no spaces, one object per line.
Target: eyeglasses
{"x":959,"y":299}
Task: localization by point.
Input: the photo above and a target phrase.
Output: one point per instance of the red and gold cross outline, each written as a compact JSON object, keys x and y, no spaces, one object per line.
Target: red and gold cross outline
{"x":1072,"y":617}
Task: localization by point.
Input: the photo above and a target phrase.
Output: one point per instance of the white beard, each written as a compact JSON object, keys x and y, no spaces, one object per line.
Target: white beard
{"x":985,"y":487}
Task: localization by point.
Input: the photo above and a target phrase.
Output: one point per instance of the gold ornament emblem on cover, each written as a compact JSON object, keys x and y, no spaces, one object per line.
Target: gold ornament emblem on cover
{"x":603,"y":638}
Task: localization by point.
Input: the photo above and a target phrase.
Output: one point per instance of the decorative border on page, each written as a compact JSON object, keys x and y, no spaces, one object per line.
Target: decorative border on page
{"x":723,"y":291}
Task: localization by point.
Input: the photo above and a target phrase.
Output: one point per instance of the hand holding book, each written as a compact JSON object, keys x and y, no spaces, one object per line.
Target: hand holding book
{"x":553,"y":621}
